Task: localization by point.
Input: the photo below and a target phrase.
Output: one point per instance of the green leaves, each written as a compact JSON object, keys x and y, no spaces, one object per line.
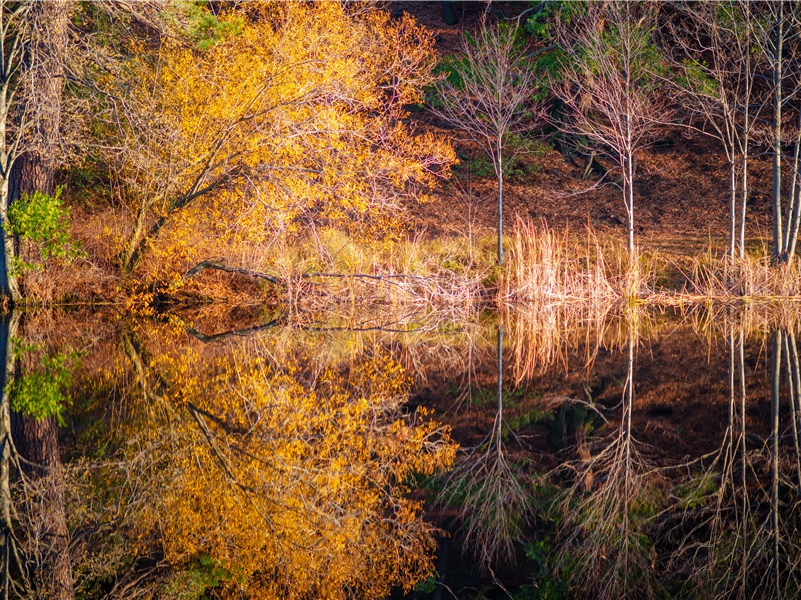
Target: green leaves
{"x":44,"y":392}
{"x":44,"y":220}
{"x":206,"y":30}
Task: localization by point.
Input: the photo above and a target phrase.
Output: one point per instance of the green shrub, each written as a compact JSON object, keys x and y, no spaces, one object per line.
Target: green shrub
{"x":44,"y":220}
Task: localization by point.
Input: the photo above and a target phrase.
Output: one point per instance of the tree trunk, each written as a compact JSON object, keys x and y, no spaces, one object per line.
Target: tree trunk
{"x":743,"y":198}
{"x":746,"y":131}
{"x":34,"y":171}
{"x":500,"y":204}
{"x":732,"y":208}
{"x":628,"y":184}
{"x":778,"y":245}
{"x":794,"y":202}
{"x":10,"y":280}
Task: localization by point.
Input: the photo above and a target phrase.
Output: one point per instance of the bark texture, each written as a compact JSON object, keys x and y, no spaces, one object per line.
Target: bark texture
{"x":34,"y":171}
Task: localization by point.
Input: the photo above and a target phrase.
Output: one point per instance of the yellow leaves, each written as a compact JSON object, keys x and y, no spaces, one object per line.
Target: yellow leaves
{"x":299,"y":116}
{"x":301,"y":486}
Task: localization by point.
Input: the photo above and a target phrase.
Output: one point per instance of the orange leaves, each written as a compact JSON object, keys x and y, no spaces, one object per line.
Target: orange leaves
{"x":297,"y":484}
{"x":299,"y":116}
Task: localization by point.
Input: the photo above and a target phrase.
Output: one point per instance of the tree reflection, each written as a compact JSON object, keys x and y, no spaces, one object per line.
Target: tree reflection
{"x":607,"y":503}
{"x":293,"y":484}
{"x":486,"y":486}
{"x":35,"y":538}
{"x":739,"y":524}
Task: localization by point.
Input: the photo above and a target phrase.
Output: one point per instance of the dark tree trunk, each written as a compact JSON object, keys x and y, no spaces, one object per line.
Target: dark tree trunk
{"x":34,"y":171}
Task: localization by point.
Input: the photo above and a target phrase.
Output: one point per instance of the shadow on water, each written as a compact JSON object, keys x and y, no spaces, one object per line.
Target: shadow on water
{"x":628,"y":454}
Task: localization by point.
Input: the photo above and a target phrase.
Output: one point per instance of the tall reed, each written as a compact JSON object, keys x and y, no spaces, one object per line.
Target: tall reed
{"x":553,"y":267}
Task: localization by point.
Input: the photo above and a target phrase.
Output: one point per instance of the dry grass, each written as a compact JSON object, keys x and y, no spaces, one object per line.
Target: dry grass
{"x":548,"y":267}
{"x":456,"y":274}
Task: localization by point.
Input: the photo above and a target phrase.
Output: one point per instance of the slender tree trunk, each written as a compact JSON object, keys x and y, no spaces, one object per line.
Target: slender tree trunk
{"x":11,"y":285}
{"x":500,"y":202}
{"x":131,"y":248}
{"x":794,"y":206}
{"x":778,"y":245}
{"x":629,"y":185}
{"x":9,"y":63}
{"x":743,"y":198}
{"x":732,"y":207}
{"x":746,"y":131}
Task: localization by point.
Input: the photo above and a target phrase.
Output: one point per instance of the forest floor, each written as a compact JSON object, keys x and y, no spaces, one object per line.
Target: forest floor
{"x":681,"y":188}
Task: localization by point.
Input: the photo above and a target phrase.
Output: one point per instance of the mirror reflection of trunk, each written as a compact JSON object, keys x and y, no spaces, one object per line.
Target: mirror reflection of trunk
{"x":35,"y":462}
{"x":6,"y":526}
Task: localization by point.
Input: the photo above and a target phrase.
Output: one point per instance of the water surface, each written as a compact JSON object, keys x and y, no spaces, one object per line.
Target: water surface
{"x":550,"y":453}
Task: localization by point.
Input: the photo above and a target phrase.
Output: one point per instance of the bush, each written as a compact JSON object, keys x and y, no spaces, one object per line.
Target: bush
{"x":44,"y":220}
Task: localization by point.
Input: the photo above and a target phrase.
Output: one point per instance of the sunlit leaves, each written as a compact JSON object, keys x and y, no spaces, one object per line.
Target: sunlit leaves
{"x":297,"y":116}
{"x":297,"y":486}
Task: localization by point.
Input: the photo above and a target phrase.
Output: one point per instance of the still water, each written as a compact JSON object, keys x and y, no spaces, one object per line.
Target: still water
{"x":556,"y":453}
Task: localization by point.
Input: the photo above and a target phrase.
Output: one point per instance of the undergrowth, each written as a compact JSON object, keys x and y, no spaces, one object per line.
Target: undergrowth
{"x":458,"y":273}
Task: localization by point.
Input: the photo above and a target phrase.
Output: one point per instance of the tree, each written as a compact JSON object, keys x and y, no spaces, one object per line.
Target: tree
{"x":780,"y":26}
{"x":608,"y":85}
{"x":33,"y":38}
{"x":294,"y":113}
{"x":711,"y":47}
{"x":488,"y":95}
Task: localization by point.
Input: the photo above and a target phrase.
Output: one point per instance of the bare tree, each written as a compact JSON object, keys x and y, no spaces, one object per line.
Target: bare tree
{"x":780,"y":25}
{"x":607,"y":82}
{"x":489,"y":97}
{"x":710,"y":47}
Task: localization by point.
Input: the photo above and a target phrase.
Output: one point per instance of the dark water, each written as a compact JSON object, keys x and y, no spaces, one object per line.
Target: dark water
{"x":631,"y":453}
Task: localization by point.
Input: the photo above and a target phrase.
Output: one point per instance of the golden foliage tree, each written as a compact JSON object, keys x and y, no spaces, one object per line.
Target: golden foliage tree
{"x":298,"y":487}
{"x":297,"y":113}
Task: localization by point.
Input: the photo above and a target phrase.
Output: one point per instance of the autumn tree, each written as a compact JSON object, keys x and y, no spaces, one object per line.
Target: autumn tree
{"x":296,"y":484}
{"x":295,"y":112}
{"x":488,"y":95}
{"x":608,"y":85}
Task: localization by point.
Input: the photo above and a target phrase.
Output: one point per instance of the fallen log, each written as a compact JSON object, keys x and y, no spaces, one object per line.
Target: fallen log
{"x":218,"y":266}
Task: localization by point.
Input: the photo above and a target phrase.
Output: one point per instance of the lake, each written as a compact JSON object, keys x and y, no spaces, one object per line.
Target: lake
{"x":529,"y":452}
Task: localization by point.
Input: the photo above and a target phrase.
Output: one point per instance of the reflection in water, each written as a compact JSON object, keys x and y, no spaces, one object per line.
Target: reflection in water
{"x":743,"y":540}
{"x":220,"y":468}
{"x":35,"y":538}
{"x":714,"y":525}
{"x":487,"y":488}
{"x":629,"y":456}
{"x":295,"y":484}
{"x":606,"y":501}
